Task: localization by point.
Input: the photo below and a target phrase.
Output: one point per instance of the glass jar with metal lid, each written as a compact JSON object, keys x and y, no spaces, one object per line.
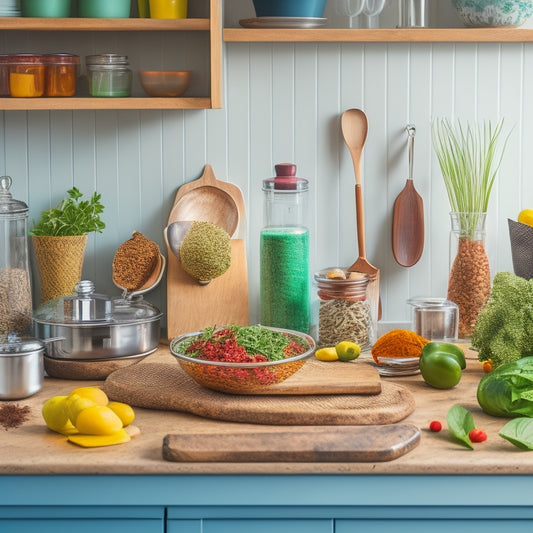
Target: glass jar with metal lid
{"x":62,"y":70}
{"x":346,"y":311}
{"x":109,"y":75}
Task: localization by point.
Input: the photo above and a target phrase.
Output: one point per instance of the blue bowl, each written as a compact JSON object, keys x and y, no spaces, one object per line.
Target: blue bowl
{"x":289,"y":8}
{"x":493,"y":13}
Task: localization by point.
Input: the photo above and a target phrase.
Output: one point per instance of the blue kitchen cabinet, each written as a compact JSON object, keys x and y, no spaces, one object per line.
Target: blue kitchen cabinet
{"x":433,"y":526}
{"x":258,"y":525}
{"x":82,"y":519}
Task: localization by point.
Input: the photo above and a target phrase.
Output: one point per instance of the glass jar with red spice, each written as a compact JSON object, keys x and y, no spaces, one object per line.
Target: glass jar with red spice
{"x":62,"y":71}
{"x":26,"y":75}
{"x":345,"y":309}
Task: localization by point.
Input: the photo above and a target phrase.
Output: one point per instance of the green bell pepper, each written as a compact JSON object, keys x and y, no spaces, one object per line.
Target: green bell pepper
{"x":441,"y":364}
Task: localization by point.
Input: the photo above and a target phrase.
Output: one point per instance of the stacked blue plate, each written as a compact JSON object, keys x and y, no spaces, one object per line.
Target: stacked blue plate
{"x":10,"y":8}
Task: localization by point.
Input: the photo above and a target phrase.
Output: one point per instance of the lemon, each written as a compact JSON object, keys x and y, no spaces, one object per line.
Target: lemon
{"x":347,"y":351}
{"x":526,"y":217}
{"x":327,"y":354}
{"x":98,"y":420}
{"x":123,"y":411}
{"x":55,"y":415}
{"x":96,"y":394}
{"x":76,"y":404}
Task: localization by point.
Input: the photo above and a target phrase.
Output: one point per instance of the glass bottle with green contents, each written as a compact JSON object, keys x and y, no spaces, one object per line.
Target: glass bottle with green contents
{"x":284,"y":252}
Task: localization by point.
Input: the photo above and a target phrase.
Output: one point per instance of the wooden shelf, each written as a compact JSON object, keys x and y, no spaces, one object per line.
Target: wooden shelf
{"x":379,"y":35}
{"x":73,"y":103}
{"x":123,"y":24}
{"x":212,"y":25}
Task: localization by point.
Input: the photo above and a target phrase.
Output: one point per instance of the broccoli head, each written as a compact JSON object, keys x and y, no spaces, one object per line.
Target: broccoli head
{"x":504,"y":328}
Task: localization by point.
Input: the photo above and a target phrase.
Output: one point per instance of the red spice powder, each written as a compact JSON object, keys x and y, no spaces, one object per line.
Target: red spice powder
{"x":13,"y":415}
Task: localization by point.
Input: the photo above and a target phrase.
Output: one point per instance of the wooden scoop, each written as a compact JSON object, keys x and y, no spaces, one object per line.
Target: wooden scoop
{"x":408,"y":219}
{"x":209,"y":200}
{"x":354,"y":126}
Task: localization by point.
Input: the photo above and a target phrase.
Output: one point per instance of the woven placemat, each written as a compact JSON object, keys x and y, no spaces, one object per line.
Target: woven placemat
{"x":166,"y":386}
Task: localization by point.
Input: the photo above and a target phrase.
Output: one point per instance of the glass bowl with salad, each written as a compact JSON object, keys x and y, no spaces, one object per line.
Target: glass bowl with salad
{"x":242,"y":359}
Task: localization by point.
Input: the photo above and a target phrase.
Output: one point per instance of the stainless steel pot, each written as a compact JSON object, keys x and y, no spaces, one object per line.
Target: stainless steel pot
{"x":89,"y":326}
{"x":21,"y":369}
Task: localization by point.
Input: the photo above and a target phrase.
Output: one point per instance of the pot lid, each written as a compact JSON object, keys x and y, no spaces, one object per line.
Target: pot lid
{"x":85,"y":306}
{"x":7,"y":204}
{"x":16,"y":345}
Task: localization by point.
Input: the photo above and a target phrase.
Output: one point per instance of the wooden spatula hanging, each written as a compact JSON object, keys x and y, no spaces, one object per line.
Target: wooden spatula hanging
{"x":408,"y":218}
{"x":354,"y":126}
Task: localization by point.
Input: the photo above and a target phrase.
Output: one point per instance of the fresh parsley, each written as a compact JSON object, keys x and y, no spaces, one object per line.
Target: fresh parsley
{"x":72,"y":216}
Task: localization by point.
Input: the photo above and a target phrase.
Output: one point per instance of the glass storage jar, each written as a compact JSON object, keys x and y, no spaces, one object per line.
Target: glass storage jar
{"x":26,"y":75}
{"x":109,"y":75}
{"x":62,"y":70}
{"x":4,"y":74}
{"x":346,"y":311}
{"x":15,"y":286}
{"x":284,"y":252}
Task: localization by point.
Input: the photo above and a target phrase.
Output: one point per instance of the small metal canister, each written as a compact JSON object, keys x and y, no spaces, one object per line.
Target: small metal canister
{"x":436,"y":319}
{"x":346,"y":311}
{"x":21,"y":369}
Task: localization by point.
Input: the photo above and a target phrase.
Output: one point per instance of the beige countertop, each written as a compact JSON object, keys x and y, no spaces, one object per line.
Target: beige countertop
{"x":33,"y":449}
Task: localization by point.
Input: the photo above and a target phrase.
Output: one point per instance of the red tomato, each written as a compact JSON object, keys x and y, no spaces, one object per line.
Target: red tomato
{"x":435,"y":426}
{"x":477,"y":435}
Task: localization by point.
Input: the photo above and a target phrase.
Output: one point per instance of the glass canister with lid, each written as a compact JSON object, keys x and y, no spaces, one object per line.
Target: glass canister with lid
{"x":62,"y":71}
{"x":346,"y":311}
{"x":284,"y":252}
{"x":109,"y":75}
{"x":15,"y":285}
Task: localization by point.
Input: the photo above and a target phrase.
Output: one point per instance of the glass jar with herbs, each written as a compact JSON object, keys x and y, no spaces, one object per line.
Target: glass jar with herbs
{"x":344,"y":308}
{"x":284,"y":252}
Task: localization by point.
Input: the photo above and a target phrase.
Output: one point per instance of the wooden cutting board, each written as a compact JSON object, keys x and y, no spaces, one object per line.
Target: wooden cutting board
{"x":190,"y":305}
{"x":297,"y":445}
{"x":166,"y":386}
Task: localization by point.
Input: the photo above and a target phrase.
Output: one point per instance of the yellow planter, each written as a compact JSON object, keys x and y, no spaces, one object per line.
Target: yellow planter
{"x":60,"y":262}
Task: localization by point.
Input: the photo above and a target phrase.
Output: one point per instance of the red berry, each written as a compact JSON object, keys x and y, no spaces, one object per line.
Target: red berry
{"x":477,"y":435}
{"x":435,"y":426}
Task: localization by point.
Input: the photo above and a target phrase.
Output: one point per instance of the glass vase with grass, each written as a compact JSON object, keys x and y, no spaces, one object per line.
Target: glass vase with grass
{"x":469,"y":157}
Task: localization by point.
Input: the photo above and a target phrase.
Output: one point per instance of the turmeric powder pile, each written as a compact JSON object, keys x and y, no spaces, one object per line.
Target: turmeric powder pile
{"x":398,"y":343}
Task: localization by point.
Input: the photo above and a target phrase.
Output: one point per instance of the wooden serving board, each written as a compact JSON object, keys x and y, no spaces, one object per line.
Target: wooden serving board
{"x":296,"y":445}
{"x":166,"y":386}
{"x":317,"y":377}
{"x":190,"y":305}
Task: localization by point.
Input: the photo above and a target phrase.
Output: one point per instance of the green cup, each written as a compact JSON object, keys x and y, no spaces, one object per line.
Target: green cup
{"x":45,"y":8}
{"x":104,"y":8}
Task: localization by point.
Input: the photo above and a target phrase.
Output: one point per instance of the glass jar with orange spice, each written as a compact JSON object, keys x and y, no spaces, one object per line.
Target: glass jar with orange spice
{"x":26,"y":75}
{"x":62,"y":71}
{"x":345,"y":309}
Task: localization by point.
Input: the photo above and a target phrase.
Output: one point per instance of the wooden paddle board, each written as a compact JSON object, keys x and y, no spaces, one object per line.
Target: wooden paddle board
{"x":166,"y":386}
{"x":297,"y":445}
{"x":192,"y":306}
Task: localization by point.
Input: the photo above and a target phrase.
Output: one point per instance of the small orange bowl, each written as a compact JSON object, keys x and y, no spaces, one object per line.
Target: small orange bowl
{"x":165,"y":83}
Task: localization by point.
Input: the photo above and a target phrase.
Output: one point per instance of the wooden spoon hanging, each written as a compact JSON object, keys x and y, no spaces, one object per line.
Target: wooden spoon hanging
{"x":408,"y":218}
{"x":354,"y":126}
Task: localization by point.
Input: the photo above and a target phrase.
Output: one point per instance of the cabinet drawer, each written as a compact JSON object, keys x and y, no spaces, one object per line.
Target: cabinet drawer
{"x":443,"y":525}
{"x":82,"y":519}
{"x":234,"y":525}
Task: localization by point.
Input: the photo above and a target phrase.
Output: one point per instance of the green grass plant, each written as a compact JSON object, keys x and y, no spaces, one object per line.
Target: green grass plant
{"x":469,"y":157}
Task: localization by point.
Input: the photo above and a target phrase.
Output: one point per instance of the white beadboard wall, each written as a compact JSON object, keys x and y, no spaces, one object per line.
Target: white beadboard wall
{"x":283,"y":103}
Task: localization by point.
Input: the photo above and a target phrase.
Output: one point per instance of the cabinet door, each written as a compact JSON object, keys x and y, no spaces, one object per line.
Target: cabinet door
{"x":82,"y":520}
{"x":395,"y":525}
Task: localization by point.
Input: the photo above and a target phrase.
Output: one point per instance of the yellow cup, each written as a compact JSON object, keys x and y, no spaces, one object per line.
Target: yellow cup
{"x":168,"y":9}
